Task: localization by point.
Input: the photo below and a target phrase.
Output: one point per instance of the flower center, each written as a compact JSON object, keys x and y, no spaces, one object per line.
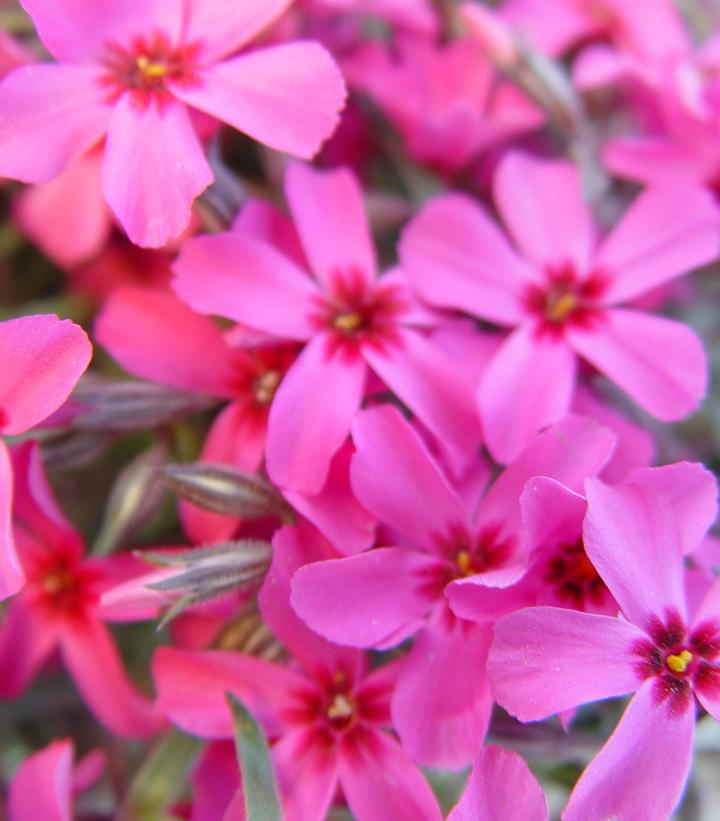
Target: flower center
{"x":679,"y":662}
{"x":265,"y":386}
{"x":574,"y":576}
{"x":564,"y":297}
{"x":349,"y":322}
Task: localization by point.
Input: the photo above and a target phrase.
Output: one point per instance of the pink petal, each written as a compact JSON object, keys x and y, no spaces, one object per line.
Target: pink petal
{"x":377,"y":597}
{"x":191,"y":689}
{"x":42,"y":786}
{"x":293,"y":548}
{"x":67,"y":217}
{"x":26,"y":642}
{"x":311,"y":415}
{"x":665,"y":233}
{"x":547,"y":659}
{"x":306,"y":773}
{"x":286,"y":97}
{"x":457,"y":258}
{"x":329,"y":214}
{"x":528,"y":384}
{"x":500,"y":787}
{"x":432,"y":386}
{"x":154,"y":168}
{"x":379,"y":781}
{"x":41,"y":359}
{"x":658,"y":362}
{"x":690,"y":490}
{"x":243,"y":278}
{"x":264,"y":221}
{"x":12,"y":577}
{"x":95,"y":665}
{"x":441,"y":712}
{"x":49,"y":116}
{"x":641,"y":770}
{"x":394,"y":476}
{"x":630,"y":531}
{"x":656,"y":160}
{"x":552,"y":515}
{"x":224,"y":26}
{"x":154,"y":335}
{"x":74,"y":31}
{"x":215,"y":781}
{"x":471,"y":600}
{"x":335,"y":511}
{"x":542,"y":205}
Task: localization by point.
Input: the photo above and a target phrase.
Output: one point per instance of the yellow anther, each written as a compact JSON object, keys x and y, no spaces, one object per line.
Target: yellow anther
{"x":559,"y":309}
{"x":265,"y":386}
{"x":341,"y":707}
{"x":58,"y":581}
{"x":348,"y":322}
{"x":679,"y":663}
{"x":149,"y":69}
{"x":464,"y":562}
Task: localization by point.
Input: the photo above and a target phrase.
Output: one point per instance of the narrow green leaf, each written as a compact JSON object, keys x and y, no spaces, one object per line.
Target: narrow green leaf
{"x":261,"y":799}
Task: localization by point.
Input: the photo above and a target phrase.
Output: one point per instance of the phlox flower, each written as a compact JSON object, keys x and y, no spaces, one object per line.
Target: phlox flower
{"x":59,"y":608}
{"x":41,"y":360}
{"x":132,"y":71}
{"x":561,"y":296}
{"x":443,"y":543}
{"x":326,"y":714}
{"x":352,"y":323}
{"x":665,"y":650}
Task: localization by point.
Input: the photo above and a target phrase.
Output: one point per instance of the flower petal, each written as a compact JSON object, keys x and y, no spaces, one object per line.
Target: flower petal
{"x":26,"y":642}
{"x":12,"y":577}
{"x":42,"y":786}
{"x":658,"y":362}
{"x":306,"y":773}
{"x":527,"y":385}
{"x":547,"y":659}
{"x":41,"y":359}
{"x":311,"y":415}
{"x":154,"y":168}
{"x":49,"y":116}
{"x":286,"y":96}
{"x":641,"y":770}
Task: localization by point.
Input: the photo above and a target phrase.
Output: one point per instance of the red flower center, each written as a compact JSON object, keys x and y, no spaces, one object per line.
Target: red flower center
{"x":565,"y":297}
{"x":574,"y":576}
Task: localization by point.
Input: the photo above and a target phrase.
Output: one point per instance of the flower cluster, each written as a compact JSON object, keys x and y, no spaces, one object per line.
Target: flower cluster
{"x":398,"y":298}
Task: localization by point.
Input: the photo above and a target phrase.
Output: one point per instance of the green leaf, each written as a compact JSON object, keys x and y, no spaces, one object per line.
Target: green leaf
{"x":261,"y":799}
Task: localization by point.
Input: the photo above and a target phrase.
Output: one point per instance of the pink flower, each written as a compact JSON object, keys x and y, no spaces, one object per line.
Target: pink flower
{"x":58,"y":608}
{"x":133,"y":71}
{"x":351,"y":322}
{"x":326,"y":714}
{"x":560,"y":297}
{"x":666,"y":650}
{"x":41,"y":359}
{"x":500,"y":788}
{"x":444,"y":544}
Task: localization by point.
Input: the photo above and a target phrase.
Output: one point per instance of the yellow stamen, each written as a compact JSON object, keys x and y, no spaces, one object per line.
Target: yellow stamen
{"x":150,"y":70}
{"x":341,"y":707}
{"x":464,"y":562}
{"x":679,"y":663}
{"x":349,"y":322}
{"x":266,"y":385}
{"x":57,"y":581}
{"x":558,"y":309}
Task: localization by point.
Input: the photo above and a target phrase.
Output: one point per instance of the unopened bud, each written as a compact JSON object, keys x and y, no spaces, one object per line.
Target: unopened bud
{"x":225,"y":490}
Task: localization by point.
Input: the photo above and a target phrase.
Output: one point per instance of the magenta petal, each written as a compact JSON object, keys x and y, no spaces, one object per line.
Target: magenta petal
{"x":42,"y":786}
{"x":394,"y":476}
{"x":215,"y":782}
{"x":306,"y":773}
{"x":95,"y":665}
{"x":311,"y":415}
{"x":658,"y":362}
{"x":432,"y":386}
{"x":641,"y":771}
{"x":630,"y":531}
{"x":12,"y":577}
{"x":223,"y":26}
{"x":552,"y":514}
{"x":286,"y":96}
{"x":154,"y":167}
{"x":154,"y":335}
{"x":377,"y":597}
{"x":440,"y":711}
{"x":41,"y":359}
{"x":457,"y":258}
{"x":501,"y":787}
{"x":667,"y":231}
{"x":26,"y":641}
{"x":547,"y":659}
{"x":329,"y":214}
{"x":691,"y":490}
{"x":244,"y":278}
{"x":550,"y":222}
{"x":192,"y":686}
{"x":379,"y":781}
{"x":49,"y":116}
{"x":527,"y":385}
